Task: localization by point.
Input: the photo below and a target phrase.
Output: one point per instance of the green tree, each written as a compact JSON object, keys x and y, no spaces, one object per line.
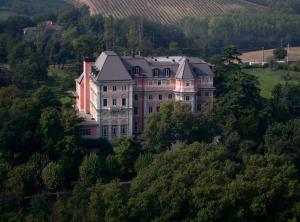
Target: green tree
{"x":127,"y":151}
{"x":18,"y":125}
{"x":113,"y":166}
{"x":78,"y":204}
{"x":143,"y":161}
{"x":52,"y":176}
{"x":89,"y":170}
{"x":284,"y":139}
{"x":85,"y":45}
{"x":134,"y":35}
{"x":44,"y":97}
{"x":59,"y":212}
{"x":39,"y":208}
{"x":4,"y":168}
{"x":231,"y":54}
{"x":96,"y":206}
{"x":109,"y":34}
{"x":51,"y":129}
{"x":279,"y":53}
{"x":115,"y":201}
{"x":173,"y":123}
{"x":174,"y":48}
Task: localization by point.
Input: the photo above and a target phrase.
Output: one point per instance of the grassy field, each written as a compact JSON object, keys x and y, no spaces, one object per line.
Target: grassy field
{"x":267,"y":78}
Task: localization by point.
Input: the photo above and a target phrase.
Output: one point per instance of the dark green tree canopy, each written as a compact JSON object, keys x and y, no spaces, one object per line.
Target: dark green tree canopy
{"x":202,"y":183}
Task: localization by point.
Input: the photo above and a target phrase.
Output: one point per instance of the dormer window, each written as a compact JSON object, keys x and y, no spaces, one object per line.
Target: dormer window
{"x":155,"y":72}
{"x":167,"y":72}
{"x":94,"y":71}
{"x":136,"y":70}
{"x":195,"y":71}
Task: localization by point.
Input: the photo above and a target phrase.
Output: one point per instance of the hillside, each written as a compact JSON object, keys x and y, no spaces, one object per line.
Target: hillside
{"x":294,"y":55}
{"x":166,"y":11}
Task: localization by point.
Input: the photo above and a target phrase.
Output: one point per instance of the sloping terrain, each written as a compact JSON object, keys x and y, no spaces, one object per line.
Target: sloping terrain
{"x":166,"y":11}
{"x":294,"y":55}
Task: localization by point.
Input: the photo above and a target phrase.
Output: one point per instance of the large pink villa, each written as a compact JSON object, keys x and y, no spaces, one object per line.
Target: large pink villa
{"x":115,"y":95}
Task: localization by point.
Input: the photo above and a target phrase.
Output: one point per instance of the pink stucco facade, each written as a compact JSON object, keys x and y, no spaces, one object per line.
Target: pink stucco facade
{"x":115,"y":95}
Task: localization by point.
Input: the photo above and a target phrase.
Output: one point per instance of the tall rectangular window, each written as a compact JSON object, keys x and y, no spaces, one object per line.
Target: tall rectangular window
{"x":187,"y":83}
{"x":114,"y":101}
{"x":136,"y":97}
{"x":104,"y":88}
{"x":160,"y":97}
{"x":187,"y":98}
{"x":207,"y":94}
{"x":104,"y":131}
{"x":159,"y":82}
{"x":150,"y":97}
{"x":135,"y":128}
{"x":123,"y":88}
{"x":199,"y":106}
{"x":114,"y":88}
{"x":123,"y":101}
{"x":124,"y":130}
{"x":170,"y":96}
{"x":157,"y":108}
{"x":135,"y":111}
{"x":104,"y":102}
{"x":114,"y":130}
{"x":150,"y":109}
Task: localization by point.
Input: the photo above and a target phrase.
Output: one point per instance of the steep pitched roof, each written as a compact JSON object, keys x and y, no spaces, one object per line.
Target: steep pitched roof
{"x":111,"y":68}
{"x":184,"y":70}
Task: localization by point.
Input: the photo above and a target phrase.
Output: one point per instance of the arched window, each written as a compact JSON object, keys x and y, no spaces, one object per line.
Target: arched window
{"x":156,"y":72}
{"x":167,"y":72}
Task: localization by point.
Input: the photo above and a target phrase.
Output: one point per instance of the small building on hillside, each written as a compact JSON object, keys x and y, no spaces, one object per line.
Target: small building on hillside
{"x":30,"y":33}
{"x":115,"y":95}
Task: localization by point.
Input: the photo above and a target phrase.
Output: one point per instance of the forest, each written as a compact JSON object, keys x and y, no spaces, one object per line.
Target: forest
{"x":47,"y":173}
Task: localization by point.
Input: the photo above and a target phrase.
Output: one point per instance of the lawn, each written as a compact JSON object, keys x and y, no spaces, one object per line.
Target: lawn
{"x":267,"y":78}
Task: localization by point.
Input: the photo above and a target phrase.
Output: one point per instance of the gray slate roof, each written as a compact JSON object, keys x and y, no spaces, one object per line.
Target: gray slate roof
{"x":111,"y":67}
{"x":184,"y":71}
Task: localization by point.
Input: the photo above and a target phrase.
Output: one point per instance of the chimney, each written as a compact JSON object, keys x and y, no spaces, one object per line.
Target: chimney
{"x":87,"y":68}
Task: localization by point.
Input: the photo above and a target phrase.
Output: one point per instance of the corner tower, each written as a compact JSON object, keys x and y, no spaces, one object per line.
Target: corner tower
{"x":185,"y":87}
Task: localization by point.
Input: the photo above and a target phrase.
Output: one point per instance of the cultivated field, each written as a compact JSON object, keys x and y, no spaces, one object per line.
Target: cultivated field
{"x":166,"y":11}
{"x":294,"y":55}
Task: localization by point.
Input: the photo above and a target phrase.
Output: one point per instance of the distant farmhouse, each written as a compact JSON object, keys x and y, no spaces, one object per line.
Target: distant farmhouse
{"x":115,"y":95}
{"x":30,"y":33}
